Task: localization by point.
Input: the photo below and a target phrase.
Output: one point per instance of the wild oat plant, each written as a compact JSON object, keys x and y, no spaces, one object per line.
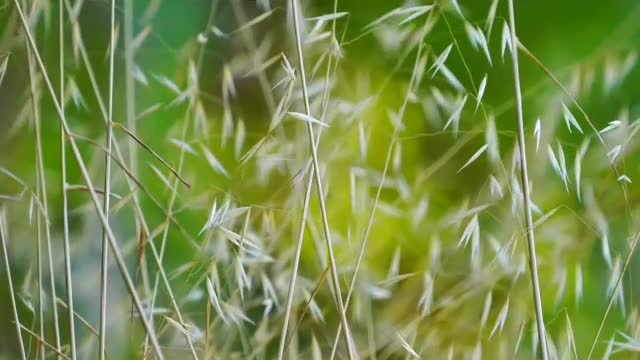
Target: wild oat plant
{"x":318,"y":180}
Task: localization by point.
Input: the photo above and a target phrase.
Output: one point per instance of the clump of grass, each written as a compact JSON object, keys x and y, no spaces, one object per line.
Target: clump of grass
{"x":442,"y":216}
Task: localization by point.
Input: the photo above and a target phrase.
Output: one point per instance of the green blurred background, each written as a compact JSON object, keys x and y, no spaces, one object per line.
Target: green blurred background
{"x":574,"y":39}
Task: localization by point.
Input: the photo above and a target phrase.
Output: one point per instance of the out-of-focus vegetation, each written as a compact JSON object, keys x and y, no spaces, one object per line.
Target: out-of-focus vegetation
{"x":415,"y":111}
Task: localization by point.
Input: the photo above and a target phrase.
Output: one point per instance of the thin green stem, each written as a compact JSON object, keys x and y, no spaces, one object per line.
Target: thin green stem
{"x":130,"y":88}
{"x":104,"y":263}
{"x":307,"y":199}
{"x":65,"y":200}
{"x":7,"y":268}
{"x":636,"y":238}
{"x":351,"y":350}
{"x":524,"y":175}
{"x":130,"y":95}
{"x":296,"y":261}
{"x":43,"y":213}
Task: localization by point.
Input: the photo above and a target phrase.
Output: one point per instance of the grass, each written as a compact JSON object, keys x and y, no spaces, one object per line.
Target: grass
{"x":526,"y":192}
{"x":303,"y":179}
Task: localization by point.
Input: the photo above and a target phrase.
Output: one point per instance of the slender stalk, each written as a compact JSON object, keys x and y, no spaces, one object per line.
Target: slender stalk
{"x":104,"y":263}
{"x":319,"y":283}
{"x":130,"y":88}
{"x":47,"y":229}
{"x":401,"y":59}
{"x":533,"y":262}
{"x":307,"y":198}
{"x":296,"y":262}
{"x":7,"y":268}
{"x":40,"y":316}
{"x":374,"y":208}
{"x":351,"y":350}
{"x":130,"y":95}
{"x":43,"y":213}
{"x":636,"y":238}
{"x":65,"y":200}
{"x":40,"y":345}
{"x":85,"y":174}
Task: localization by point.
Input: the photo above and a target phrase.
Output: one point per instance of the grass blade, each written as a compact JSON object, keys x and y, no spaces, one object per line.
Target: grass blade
{"x":533,"y":262}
